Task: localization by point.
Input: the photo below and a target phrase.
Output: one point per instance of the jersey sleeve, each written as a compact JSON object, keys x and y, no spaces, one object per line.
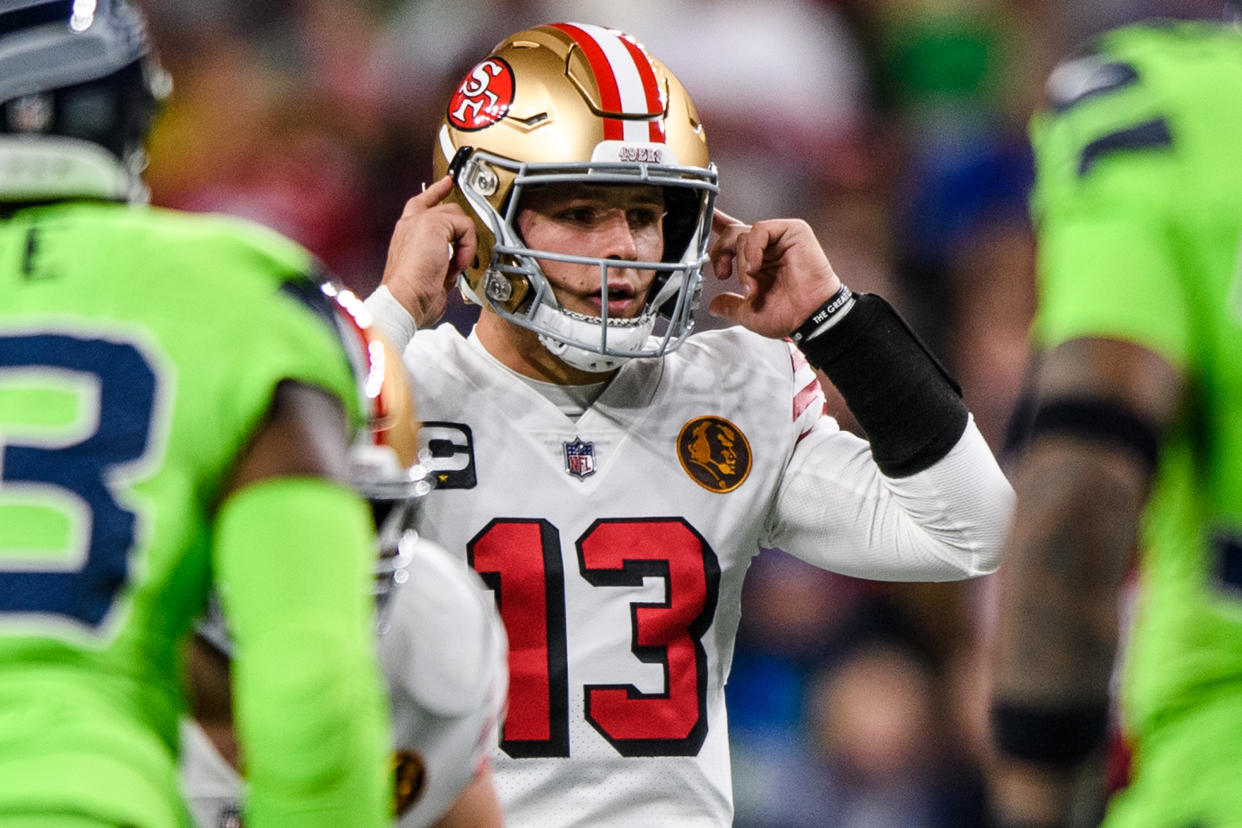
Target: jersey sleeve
{"x":1108,"y":169}
{"x":836,"y":510}
{"x":809,"y":404}
{"x":391,"y":318}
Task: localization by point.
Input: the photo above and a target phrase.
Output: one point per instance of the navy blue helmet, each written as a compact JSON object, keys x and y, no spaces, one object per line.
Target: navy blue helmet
{"x":75,"y":76}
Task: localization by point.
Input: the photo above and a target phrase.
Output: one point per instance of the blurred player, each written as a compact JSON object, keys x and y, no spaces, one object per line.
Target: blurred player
{"x":155,"y":440}
{"x":612,"y":487}
{"x":1135,"y":440}
{"x":441,"y":644}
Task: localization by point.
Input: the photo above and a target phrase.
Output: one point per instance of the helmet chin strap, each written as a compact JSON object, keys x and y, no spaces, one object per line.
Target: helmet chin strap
{"x":630,"y":336}
{"x":580,"y":358}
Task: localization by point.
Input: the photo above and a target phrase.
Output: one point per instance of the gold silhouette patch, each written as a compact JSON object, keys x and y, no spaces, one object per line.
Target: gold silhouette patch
{"x":410,"y":774}
{"x":714,"y":452}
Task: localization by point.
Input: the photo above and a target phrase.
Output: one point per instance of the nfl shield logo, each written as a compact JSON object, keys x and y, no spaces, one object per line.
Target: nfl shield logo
{"x":579,"y":458}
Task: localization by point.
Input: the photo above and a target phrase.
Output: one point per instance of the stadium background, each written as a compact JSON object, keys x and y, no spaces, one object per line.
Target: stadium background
{"x":896,"y":127}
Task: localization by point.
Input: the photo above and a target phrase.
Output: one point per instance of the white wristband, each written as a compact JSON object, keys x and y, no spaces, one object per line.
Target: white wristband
{"x":391,"y":318}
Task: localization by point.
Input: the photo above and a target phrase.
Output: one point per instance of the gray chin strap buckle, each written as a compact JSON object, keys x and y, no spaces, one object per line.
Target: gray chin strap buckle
{"x":497,"y":287}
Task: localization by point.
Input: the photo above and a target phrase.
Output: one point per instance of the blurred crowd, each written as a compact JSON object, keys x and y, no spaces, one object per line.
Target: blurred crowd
{"x":897,"y":128}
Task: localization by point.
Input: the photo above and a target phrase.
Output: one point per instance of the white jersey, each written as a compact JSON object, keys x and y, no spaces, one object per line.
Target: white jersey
{"x":444,"y":654}
{"x":617,"y":542}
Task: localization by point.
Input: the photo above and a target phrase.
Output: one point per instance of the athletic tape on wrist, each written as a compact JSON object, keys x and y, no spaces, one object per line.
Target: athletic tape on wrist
{"x":1057,"y":737}
{"x":909,"y":405}
{"x":1096,"y":419}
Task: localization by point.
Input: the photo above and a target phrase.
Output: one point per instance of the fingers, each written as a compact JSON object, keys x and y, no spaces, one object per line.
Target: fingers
{"x":721,"y":220}
{"x":434,"y":225}
{"x":752,"y":245}
{"x":722,"y":261}
{"x":464,"y":244}
{"x":742,"y":245}
{"x":724,"y":251}
{"x":431,"y":195}
{"x":782,"y":274}
{"x":437,"y":190}
{"x":727,"y":306}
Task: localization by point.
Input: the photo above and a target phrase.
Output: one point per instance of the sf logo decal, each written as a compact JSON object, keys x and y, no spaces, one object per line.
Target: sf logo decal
{"x":483,"y":97}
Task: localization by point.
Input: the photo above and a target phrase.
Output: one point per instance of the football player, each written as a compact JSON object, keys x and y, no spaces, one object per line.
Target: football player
{"x":1134,"y":442}
{"x":155,"y":442}
{"x":610,"y":475}
{"x":441,"y":645}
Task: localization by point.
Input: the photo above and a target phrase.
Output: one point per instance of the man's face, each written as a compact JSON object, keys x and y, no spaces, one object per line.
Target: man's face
{"x":622,"y":222}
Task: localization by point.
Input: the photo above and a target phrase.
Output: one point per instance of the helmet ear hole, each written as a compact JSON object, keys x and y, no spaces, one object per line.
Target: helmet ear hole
{"x":681,"y":220}
{"x":115,"y":112}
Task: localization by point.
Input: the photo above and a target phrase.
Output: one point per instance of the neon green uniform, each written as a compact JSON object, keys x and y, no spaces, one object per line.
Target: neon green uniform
{"x":139,"y":349}
{"x":1139,"y":210}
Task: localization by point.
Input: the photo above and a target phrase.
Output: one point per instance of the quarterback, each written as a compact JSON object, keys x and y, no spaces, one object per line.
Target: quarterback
{"x":609,"y":475}
{"x":156,"y":443}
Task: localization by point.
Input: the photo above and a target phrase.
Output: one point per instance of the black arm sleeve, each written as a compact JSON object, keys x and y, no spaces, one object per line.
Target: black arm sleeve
{"x":904,"y":399}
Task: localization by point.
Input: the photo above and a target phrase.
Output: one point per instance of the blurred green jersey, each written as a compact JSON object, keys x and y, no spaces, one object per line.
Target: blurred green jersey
{"x":139,"y":350}
{"x":1138,"y":206}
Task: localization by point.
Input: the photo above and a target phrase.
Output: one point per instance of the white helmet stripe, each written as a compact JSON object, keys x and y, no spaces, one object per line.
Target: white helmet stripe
{"x":626,"y":80}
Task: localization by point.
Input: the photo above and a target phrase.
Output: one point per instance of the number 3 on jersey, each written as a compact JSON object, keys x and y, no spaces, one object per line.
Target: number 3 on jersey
{"x":521,"y":561}
{"x":74,"y":412}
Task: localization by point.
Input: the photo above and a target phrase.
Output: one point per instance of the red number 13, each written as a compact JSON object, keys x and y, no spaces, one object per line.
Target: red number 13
{"x":520,"y":559}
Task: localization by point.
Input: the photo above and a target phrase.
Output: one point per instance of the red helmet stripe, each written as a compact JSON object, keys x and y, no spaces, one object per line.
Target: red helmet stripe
{"x":626,"y":80}
{"x":651,"y":87}
{"x":609,"y":93}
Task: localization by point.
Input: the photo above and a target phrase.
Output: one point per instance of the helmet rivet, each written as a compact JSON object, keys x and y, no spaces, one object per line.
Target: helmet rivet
{"x":483,"y":180}
{"x":498,"y":287}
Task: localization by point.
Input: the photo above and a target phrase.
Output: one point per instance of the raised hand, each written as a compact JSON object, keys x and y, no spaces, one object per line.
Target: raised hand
{"x":433,"y":241}
{"x":782,"y":271}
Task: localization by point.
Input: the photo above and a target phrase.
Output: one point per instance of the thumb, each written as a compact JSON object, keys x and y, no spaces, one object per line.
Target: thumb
{"x":727,"y":306}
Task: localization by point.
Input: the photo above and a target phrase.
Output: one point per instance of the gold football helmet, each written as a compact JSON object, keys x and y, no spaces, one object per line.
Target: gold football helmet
{"x":384,"y":463}
{"x":572,"y":102}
